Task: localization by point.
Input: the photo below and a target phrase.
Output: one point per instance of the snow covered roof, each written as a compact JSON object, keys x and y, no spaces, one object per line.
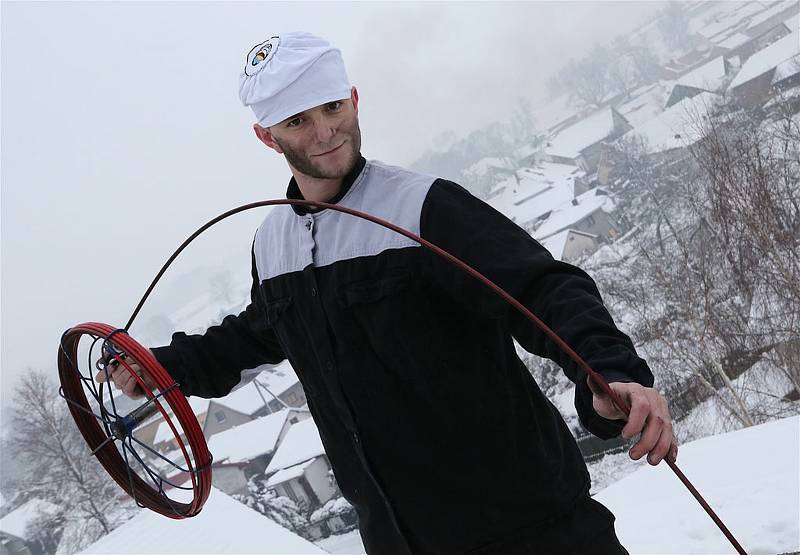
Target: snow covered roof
{"x":734,"y":41}
{"x":592,"y":129}
{"x":301,"y":443}
{"x":786,"y":69}
{"x":247,"y":398}
{"x":776,"y":9}
{"x":676,"y":127}
{"x":726,"y":22}
{"x":540,"y":190}
{"x":646,"y":102}
{"x":750,"y":477}
{"x":247,"y":441}
{"x":768,"y":58}
{"x":568,"y":213}
{"x":15,"y":522}
{"x":708,"y":76}
{"x":793,"y":24}
{"x":223,"y":526}
{"x":287,"y":474}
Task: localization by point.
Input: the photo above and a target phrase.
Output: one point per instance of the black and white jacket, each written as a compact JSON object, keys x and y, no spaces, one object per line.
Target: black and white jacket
{"x":437,"y":433}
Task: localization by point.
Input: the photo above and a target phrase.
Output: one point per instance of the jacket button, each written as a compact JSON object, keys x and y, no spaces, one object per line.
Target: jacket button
{"x":356,"y":438}
{"x":329,"y":365}
{"x":313,"y":291}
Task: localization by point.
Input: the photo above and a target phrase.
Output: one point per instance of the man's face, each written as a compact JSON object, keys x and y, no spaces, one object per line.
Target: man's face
{"x":323,"y":142}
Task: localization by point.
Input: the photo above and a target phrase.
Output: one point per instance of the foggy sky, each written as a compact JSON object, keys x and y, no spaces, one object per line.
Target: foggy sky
{"x":122,"y":131}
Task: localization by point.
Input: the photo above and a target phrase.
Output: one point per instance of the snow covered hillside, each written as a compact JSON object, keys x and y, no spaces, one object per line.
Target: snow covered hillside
{"x":750,"y":477}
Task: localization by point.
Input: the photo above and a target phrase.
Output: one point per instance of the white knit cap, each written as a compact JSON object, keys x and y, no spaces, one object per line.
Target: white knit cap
{"x":288,"y":74}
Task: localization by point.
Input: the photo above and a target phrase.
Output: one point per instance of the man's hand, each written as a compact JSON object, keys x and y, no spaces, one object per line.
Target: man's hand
{"x":649,"y":417}
{"x":123,"y":379}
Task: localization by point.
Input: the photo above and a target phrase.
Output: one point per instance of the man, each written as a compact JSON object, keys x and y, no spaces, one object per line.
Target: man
{"x":436,"y":431}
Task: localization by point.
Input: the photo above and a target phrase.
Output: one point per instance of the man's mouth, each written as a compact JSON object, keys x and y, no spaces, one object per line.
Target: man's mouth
{"x":332,"y":150}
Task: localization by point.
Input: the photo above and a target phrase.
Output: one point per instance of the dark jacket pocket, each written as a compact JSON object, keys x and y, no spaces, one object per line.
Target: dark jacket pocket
{"x":370,"y":291}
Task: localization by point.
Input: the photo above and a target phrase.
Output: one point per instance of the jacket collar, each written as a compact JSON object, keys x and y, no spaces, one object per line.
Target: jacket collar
{"x":293,"y":191}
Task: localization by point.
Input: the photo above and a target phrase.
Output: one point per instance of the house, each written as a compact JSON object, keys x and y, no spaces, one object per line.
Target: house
{"x":14,"y":535}
{"x":271,"y":391}
{"x":776,"y":67}
{"x":571,"y":244}
{"x":580,"y":144}
{"x":645,"y":102}
{"x":589,"y":213}
{"x":300,"y":469}
{"x":245,"y":450}
{"x":223,"y":526}
{"x":486,"y":172}
{"x":772,"y":19}
{"x":536,"y":191}
{"x":711,"y":76}
{"x":738,"y":45}
{"x":164,"y":438}
{"x":529,"y":154}
{"x":679,"y":126}
{"x":268,"y":393}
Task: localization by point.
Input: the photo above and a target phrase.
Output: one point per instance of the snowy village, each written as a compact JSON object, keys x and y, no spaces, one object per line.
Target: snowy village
{"x":665,"y":163}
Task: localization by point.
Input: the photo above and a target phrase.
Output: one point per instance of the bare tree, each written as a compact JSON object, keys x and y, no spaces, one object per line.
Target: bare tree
{"x":673,"y":23}
{"x":587,"y":80}
{"x":712,"y":287}
{"x":61,"y":469}
{"x":752,"y":199}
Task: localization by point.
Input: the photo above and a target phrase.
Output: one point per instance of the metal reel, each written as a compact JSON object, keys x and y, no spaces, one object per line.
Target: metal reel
{"x":175,"y":486}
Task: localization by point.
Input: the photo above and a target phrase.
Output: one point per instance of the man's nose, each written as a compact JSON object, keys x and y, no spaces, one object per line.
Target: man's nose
{"x":324,"y":130}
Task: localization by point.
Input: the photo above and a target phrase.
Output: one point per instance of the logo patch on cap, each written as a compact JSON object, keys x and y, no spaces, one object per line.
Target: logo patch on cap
{"x":260,"y":54}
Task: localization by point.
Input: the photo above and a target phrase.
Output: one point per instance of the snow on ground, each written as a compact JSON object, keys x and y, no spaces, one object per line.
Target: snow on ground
{"x":750,"y":477}
{"x":223,"y":526}
{"x":343,"y":544}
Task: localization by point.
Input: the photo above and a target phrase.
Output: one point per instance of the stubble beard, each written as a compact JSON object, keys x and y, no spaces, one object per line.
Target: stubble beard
{"x":306,"y":165}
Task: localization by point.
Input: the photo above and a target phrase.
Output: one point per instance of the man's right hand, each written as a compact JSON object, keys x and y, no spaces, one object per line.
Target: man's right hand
{"x":122,"y":378}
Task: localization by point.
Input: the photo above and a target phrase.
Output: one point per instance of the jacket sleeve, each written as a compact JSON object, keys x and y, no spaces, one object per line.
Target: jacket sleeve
{"x":561,"y":295}
{"x":210,"y":365}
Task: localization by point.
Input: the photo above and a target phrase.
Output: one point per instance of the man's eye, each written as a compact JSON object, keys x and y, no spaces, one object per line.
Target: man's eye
{"x":294,"y":122}
{"x":334,"y":106}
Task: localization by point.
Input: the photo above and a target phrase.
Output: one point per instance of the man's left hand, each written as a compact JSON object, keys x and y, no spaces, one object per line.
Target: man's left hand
{"x":649,"y":417}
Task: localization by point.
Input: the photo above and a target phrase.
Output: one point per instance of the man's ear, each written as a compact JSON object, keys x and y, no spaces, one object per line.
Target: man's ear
{"x":354,"y":98}
{"x":265,"y":136}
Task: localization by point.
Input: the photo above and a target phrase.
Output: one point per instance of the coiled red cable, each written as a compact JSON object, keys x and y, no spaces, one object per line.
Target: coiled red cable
{"x":99,"y":439}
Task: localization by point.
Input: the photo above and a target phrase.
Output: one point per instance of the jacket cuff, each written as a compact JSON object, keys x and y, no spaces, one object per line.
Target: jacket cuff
{"x":170,"y":360}
{"x":602,"y":427}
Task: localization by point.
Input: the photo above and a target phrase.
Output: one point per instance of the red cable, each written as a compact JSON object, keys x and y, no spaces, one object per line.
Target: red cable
{"x":597,"y":378}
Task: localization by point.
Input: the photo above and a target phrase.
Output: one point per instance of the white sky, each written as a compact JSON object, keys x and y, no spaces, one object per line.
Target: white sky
{"x":122,"y":130}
